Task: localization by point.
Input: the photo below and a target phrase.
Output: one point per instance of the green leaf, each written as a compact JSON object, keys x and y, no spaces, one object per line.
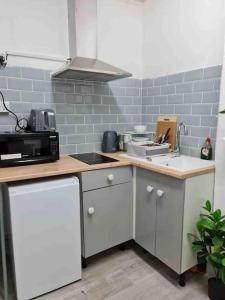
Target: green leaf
{"x":215,"y":258}
{"x":197,"y":248}
{"x":222,"y":228}
{"x":223,"y":262}
{"x":217,"y":215}
{"x":222,"y":111}
{"x":208,"y":206}
{"x":204,"y":224}
{"x":217,"y":241}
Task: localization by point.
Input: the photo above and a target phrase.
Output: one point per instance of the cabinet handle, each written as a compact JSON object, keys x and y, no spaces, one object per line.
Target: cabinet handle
{"x":160,"y":193}
{"x":149,"y":188}
{"x":91,"y":210}
{"x":110,"y":177}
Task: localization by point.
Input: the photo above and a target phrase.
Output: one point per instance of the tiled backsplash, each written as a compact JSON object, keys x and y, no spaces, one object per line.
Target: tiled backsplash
{"x":84,"y":110}
{"x":193,"y":96}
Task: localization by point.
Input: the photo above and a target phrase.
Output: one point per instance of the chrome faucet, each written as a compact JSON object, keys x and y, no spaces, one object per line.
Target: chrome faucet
{"x":180,"y":126}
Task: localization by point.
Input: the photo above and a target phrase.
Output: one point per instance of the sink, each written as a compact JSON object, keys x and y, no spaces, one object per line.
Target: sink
{"x":182,"y":163}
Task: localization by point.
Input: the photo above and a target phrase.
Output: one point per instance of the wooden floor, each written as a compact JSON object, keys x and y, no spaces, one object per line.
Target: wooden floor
{"x":130,"y":275}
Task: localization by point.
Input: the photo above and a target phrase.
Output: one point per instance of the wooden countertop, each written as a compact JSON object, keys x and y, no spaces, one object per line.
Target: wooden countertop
{"x":69,"y":165}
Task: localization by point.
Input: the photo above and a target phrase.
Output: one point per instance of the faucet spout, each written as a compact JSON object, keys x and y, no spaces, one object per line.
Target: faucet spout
{"x":180,"y":126}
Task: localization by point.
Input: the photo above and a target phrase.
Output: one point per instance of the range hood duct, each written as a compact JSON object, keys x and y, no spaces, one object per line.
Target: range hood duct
{"x":82,"y":67}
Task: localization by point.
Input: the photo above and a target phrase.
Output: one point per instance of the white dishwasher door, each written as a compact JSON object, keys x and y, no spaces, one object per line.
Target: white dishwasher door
{"x":45,"y":225}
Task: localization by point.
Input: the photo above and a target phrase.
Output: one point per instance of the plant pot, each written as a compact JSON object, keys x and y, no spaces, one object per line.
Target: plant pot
{"x":202,"y":267}
{"x":216,"y":289}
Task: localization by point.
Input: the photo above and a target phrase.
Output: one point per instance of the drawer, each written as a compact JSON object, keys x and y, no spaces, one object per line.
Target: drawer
{"x":92,"y":180}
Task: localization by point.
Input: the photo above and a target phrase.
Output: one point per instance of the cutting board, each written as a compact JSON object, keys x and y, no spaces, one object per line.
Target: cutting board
{"x":165,"y":122}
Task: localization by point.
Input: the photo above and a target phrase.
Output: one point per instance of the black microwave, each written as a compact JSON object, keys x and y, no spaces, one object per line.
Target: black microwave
{"x":26,"y":148}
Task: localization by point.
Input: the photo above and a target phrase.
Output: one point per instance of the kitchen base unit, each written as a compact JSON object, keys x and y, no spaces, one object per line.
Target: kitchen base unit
{"x":107,"y":209}
{"x":167,"y":209}
{"x":45,"y":229}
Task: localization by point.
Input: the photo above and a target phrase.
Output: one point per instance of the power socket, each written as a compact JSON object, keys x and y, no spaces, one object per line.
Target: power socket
{"x":2,"y":108}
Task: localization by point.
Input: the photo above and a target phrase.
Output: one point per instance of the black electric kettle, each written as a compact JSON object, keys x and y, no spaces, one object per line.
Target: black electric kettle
{"x":110,"y":141}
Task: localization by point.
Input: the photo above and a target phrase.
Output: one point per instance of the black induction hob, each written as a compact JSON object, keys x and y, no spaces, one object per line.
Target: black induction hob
{"x":93,"y":158}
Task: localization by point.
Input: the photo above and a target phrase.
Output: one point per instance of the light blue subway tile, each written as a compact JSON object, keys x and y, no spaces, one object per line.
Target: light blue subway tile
{"x":44,"y":86}
{"x":210,"y":121}
{"x":100,"y":128}
{"x":132,"y":91}
{"x":63,"y":87}
{"x":85,"y":148}
{"x":217,"y":83}
{"x":145,"y":92}
{"x":160,"y":99}
{"x":32,"y":96}
{"x":20,"y":84}
{"x":167,"y":89}
{"x":175,"y":99}
{"x":125,"y":100}
{"x":54,"y":98}
{"x":62,"y":108}
{"x":211,"y":97}
{"x":93,"y":99}
{"x":193,"y":75}
{"x":190,"y":120}
{"x":93,"y":119}
{"x":84,"y":128}
{"x":147,"y":100}
{"x":189,"y":141}
{"x":153,"y":109}
{"x":73,"y":99}
{"x":147,"y":83}
{"x":125,"y":119}
{"x":201,"y":109}
{"x":182,"y":109}
{"x":109,"y":119}
{"x":186,"y":87}
{"x":117,"y":91}
{"x":133,"y":109}
{"x":154,"y":91}
{"x":11,"y":95}
{"x":108,"y":100}
{"x":20,"y":107}
{"x":68,"y":149}
{"x":160,"y":81}
{"x":116,"y":109}
{"x":101,"y":89}
{"x":83,"y":108}
{"x":31,"y":73}
{"x":137,"y":100}
{"x":100,"y":109}
{"x":76,"y":139}
{"x":213,"y":72}
{"x":167,"y":109}
{"x":11,"y":72}
{"x":215,"y":109}
{"x":175,"y":78}
{"x":83,"y":89}
{"x":204,"y":85}
{"x":3,"y":84}
{"x":200,"y":131}
{"x":74,"y":119}
{"x":192,"y":98}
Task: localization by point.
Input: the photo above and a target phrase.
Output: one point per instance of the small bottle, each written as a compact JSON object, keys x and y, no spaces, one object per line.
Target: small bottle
{"x":206,"y":151}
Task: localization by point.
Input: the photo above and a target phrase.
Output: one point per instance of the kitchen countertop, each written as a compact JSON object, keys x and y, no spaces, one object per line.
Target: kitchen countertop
{"x":68,"y":165}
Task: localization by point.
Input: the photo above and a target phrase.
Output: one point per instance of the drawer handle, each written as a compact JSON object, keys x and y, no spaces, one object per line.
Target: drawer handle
{"x":91,"y":210}
{"x":149,"y":188}
{"x":110,"y":177}
{"x":160,"y":193}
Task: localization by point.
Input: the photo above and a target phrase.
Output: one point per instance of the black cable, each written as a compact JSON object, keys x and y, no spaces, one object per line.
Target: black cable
{"x":18,"y":128}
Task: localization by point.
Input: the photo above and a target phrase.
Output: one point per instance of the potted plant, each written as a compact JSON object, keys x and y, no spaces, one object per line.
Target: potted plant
{"x":209,"y":245}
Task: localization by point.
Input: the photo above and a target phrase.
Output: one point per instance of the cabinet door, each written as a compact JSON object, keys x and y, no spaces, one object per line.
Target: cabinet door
{"x":107,"y":217}
{"x":145,"y":210}
{"x":169,"y":221}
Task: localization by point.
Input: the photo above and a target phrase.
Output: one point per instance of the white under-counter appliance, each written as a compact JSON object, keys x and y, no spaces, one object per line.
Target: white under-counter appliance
{"x":45,"y":227}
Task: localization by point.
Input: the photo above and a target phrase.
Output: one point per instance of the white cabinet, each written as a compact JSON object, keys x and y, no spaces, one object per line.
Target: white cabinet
{"x":166,"y":211}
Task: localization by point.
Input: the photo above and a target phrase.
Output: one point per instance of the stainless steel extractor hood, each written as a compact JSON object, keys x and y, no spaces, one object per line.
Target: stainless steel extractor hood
{"x":82,"y":24}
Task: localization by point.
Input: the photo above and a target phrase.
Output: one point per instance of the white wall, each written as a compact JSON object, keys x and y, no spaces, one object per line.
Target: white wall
{"x":32,"y":26}
{"x":219,"y":198}
{"x":40,"y":27}
{"x":120,"y":34}
{"x":181,"y":35}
